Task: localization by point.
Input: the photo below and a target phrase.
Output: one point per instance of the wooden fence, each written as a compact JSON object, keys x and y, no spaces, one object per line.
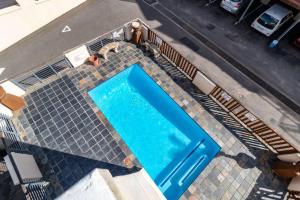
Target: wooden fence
{"x":254,"y":124}
{"x":261,"y":130}
{"x":174,"y":56}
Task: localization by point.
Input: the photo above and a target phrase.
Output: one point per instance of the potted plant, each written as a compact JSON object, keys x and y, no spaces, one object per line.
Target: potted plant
{"x":95,"y":60}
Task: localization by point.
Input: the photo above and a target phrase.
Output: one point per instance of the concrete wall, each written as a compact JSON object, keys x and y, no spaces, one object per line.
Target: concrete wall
{"x":99,"y":184}
{"x":203,"y":83}
{"x":16,"y":22}
{"x":293,"y":157}
{"x":295,"y":184}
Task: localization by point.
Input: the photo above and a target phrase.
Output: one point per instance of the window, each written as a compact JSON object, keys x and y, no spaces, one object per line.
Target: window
{"x":267,"y":21}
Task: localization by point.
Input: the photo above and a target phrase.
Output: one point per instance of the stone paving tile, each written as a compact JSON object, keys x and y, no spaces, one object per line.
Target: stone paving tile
{"x":61,"y":116}
{"x":62,"y":119}
{"x":242,"y":169}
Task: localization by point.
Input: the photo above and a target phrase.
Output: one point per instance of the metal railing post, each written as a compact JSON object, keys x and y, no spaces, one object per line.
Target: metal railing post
{"x":245,"y":13}
{"x":275,"y":42}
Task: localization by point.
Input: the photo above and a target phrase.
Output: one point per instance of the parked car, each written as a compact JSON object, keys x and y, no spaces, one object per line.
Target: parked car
{"x":272,"y":19}
{"x":234,"y":6}
{"x":297,"y":41}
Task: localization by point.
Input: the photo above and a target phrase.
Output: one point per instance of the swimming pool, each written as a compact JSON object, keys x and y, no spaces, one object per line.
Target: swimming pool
{"x":169,"y":144}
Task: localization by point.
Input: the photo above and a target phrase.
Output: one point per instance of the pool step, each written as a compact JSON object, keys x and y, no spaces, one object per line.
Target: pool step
{"x":185,"y":172}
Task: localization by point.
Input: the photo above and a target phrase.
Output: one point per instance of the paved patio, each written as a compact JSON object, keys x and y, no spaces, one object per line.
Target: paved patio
{"x":71,"y":136}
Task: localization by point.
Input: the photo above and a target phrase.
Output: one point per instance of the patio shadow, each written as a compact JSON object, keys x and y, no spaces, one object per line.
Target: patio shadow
{"x":243,"y":160}
{"x":266,"y":180}
{"x":61,"y":170}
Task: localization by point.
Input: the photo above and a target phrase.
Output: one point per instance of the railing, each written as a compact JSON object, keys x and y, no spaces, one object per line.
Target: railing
{"x":259,"y":128}
{"x":95,"y":45}
{"x":11,"y":138}
{"x":36,"y":191}
{"x":33,"y":189}
{"x":28,"y":80}
{"x":174,"y":56}
{"x":37,"y":76}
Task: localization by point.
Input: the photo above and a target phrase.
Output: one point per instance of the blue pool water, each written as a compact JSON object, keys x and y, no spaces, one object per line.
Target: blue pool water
{"x":172,"y":148}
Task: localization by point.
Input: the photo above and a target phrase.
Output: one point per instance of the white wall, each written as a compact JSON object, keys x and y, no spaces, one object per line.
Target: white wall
{"x":16,"y":22}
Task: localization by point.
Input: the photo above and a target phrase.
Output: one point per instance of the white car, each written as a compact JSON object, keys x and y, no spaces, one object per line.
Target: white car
{"x":272,"y":19}
{"x":234,"y":6}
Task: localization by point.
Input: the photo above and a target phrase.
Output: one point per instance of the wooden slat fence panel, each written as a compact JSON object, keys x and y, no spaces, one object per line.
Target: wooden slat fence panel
{"x":152,"y":37}
{"x":258,"y":127}
{"x":225,"y":99}
{"x":171,"y":53}
{"x":187,"y":67}
{"x":174,"y":56}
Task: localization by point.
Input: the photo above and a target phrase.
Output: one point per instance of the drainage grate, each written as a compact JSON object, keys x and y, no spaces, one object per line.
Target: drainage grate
{"x":107,"y":41}
{"x":45,"y":73}
{"x":61,"y":65}
{"x":27,"y":80}
{"x":96,"y":45}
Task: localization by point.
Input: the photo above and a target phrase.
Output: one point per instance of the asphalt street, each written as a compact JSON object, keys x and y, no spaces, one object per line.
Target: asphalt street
{"x":278,"y":68}
{"x":89,"y":20}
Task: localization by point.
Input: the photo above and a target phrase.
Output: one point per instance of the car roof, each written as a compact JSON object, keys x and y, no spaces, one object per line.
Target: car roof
{"x":278,"y":11}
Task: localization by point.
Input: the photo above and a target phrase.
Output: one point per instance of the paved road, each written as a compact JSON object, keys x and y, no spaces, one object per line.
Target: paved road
{"x":279,"y":67}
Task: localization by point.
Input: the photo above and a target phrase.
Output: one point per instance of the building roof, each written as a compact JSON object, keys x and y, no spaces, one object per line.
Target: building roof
{"x":93,"y":186}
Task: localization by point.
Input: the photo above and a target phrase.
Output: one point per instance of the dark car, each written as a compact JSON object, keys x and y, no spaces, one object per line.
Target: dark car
{"x":297,"y":41}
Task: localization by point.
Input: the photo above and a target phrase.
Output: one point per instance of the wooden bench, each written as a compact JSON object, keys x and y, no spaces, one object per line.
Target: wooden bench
{"x":11,"y":101}
{"x":105,"y":49}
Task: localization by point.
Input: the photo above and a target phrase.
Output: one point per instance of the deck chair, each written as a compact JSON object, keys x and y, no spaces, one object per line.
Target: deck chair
{"x":11,"y":101}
